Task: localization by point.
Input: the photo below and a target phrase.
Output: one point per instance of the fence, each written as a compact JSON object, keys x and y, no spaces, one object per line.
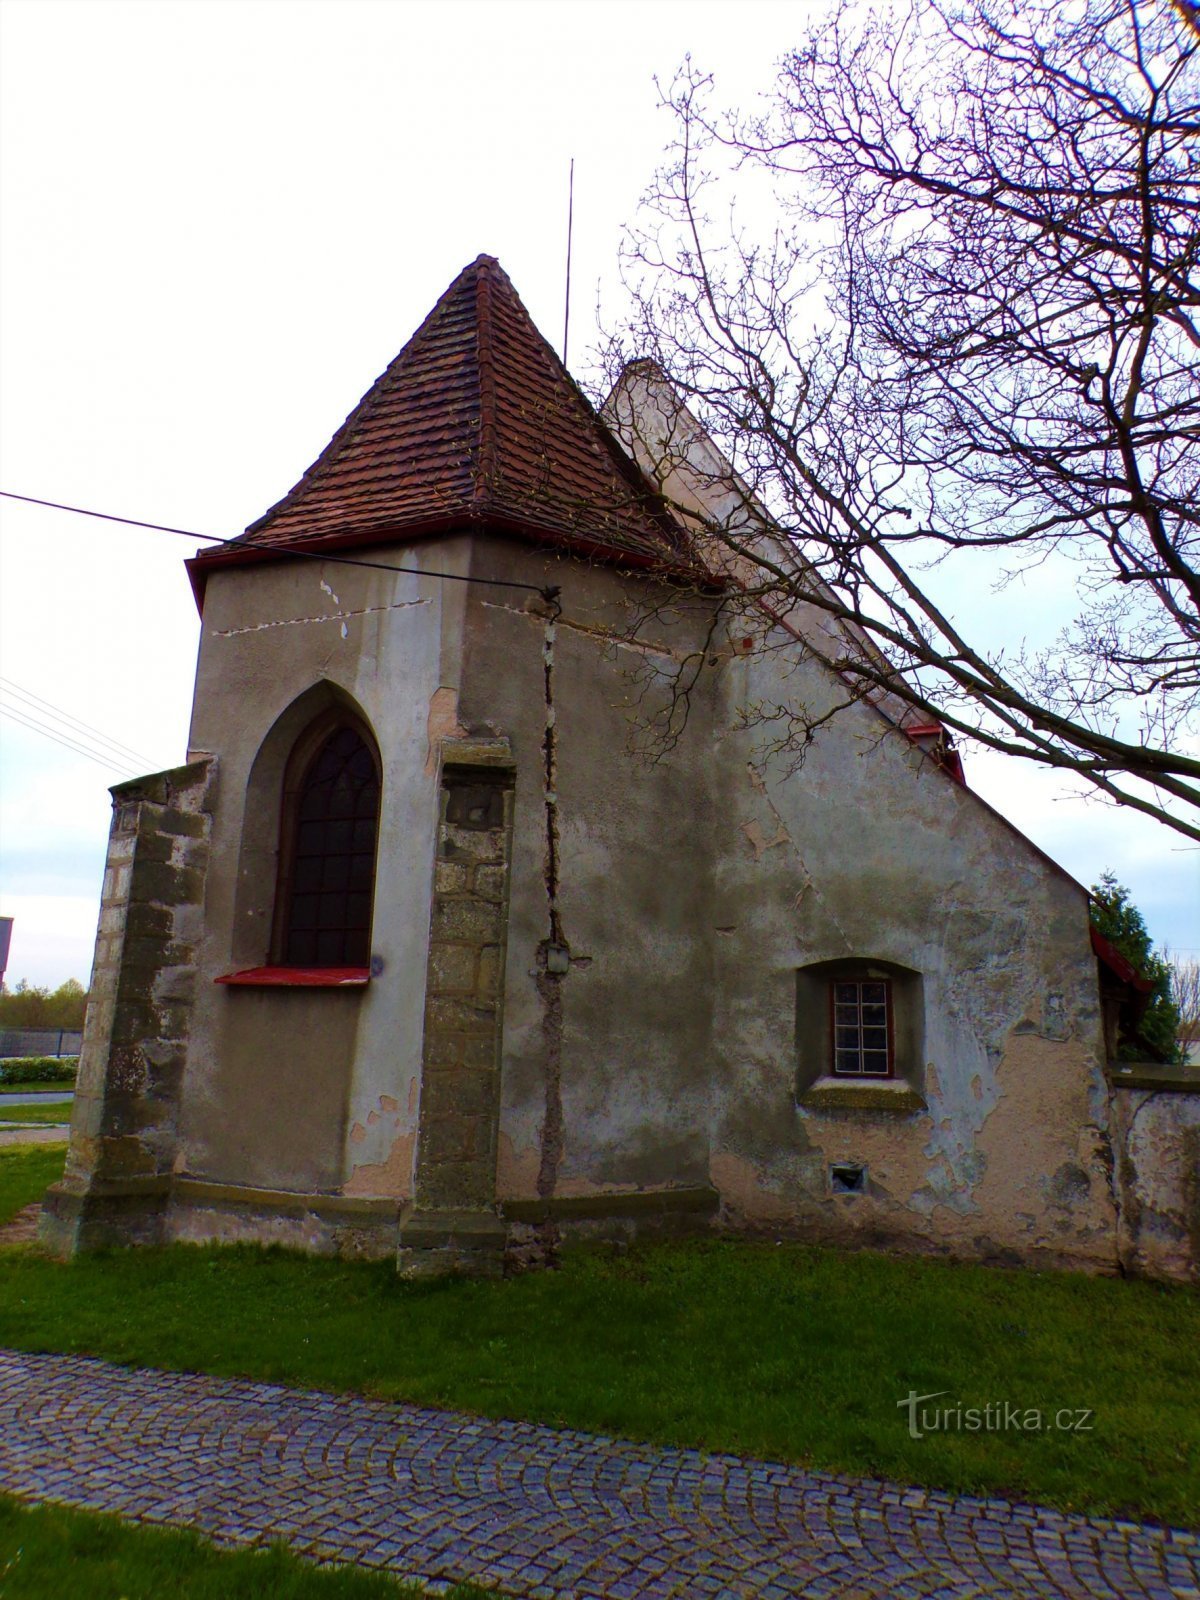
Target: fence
{"x":40,"y":1041}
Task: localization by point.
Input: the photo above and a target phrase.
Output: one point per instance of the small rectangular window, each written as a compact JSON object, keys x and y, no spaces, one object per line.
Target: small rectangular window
{"x":862,"y":1027}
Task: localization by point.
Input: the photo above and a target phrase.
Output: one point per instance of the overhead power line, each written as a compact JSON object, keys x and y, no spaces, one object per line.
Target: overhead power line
{"x":547,"y":591}
{"x":81,"y":741}
{"x":74,"y":726}
{"x":111,"y":763}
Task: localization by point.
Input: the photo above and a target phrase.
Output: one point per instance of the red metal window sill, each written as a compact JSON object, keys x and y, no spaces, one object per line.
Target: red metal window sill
{"x":298,"y":978}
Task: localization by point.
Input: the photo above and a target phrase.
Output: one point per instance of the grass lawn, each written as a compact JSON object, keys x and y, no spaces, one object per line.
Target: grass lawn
{"x":50,"y":1111}
{"x":47,"y":1553}
{"x":26,"y":1171}
{"x":781,"y":1351}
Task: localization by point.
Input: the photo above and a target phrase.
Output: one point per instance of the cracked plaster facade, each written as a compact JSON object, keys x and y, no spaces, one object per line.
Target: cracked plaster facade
{"x":690,"y":893}
{"x":621,"y":1039}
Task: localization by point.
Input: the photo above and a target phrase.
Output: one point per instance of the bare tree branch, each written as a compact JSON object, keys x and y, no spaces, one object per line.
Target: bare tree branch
{"x":972,"y":333}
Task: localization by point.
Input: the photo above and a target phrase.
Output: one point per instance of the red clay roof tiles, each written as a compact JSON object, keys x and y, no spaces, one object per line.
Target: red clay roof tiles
{"x":476,"y":422}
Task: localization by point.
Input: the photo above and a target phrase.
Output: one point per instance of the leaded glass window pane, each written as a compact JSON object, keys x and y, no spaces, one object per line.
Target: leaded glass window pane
{"x":333,"y":865}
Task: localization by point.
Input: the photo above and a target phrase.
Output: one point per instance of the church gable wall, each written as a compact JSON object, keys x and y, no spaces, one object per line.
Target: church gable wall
{"x":991,"y":1137}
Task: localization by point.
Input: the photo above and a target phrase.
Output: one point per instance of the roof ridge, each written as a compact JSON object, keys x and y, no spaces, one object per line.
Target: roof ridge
{"x":485,"y":475}
{"x":600,"y":438}
{"x":366,"y":407}
{"x":476,"y":421}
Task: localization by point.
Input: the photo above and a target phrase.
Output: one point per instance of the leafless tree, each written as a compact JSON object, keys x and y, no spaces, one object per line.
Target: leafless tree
{"x":973,"y":335}
{"x":1185,"y":993}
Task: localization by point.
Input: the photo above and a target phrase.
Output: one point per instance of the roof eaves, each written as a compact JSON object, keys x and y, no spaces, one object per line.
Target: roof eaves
{"x":667,"y":564}
{"x":1118,"y":963}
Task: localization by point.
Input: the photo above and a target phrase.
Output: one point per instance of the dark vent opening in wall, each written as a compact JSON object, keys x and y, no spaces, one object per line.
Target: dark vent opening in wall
{"x":474,"y":798}
{"x":848,"y":1177}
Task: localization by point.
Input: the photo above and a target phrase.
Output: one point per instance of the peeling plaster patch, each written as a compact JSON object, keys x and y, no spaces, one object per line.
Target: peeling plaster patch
{"x":372,"y":1118}
{"x":1054,"y":1018}
{"x":442,"y":723}
{"x":960,"y":1106}
{"x":1037,"y":1163}
{"x":944,"y":1186}
{"x":357,"y":1133}
{"x":327,"y":590}
{"x":1070,"y":1184}
{"x":1159,"y":1139}
{"x":758,"y":843}
{"x":392,"y":1176}
{"x":328,"y":616}
{"x":414,"y":1087}
{"x":973,"y":1166}
{"x":740,"y":1186}
{"x":516,"y":1170}
{"x":387,"y":1103}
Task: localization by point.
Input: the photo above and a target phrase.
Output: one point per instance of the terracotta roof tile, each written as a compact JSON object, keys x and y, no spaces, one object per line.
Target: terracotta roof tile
{"x":475,"y":422}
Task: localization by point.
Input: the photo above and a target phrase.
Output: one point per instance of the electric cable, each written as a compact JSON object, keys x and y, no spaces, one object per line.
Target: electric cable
{"x":547,"y":591}
{"x":75,"y":726}
{"x":103,"y":761}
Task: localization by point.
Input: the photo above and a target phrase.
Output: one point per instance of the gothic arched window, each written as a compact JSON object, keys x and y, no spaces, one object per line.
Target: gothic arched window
{"x":327,"y":848}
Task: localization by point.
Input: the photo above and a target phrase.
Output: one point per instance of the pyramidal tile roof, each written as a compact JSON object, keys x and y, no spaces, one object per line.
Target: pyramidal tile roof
{"x":476,"y":422}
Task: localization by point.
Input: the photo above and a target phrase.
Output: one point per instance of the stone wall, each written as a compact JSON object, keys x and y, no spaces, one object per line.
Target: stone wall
{"x":125,"y":1115}
{"x":1156,"y":1136}
{"x":452,"y":1221}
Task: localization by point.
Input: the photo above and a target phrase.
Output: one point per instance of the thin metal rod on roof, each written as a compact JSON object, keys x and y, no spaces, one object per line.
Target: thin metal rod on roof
{"x":570,"y":226}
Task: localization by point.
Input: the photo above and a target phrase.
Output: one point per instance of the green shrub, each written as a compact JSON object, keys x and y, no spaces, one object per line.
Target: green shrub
{"x":39,"y":1069}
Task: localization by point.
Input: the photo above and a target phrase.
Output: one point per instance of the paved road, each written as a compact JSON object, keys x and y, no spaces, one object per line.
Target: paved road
{"x":33,"y":1133}
{"x":532,"y":1510}
{"x":38,"y":1097}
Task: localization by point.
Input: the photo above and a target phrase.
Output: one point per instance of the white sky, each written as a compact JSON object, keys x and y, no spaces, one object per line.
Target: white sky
{"x":220,"y":220}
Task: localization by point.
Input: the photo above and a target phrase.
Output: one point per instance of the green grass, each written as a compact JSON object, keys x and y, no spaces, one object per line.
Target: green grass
{"x":26,"y":1171}
{"x":54,"y":1111}
{"x":779,"y":1351}
{"x":47,"y":1553}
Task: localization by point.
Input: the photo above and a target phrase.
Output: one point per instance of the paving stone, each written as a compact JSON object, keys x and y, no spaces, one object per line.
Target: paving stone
{"x":549,"y":1514}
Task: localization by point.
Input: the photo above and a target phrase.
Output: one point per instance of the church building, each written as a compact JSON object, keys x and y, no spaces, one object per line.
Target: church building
{"x":434,"y":950}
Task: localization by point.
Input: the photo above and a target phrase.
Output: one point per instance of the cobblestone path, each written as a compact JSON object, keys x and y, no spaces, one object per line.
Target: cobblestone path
{"x":532,"y":1510}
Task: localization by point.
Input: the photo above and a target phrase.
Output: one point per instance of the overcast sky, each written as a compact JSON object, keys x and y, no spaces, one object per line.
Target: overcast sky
{"x":220,"y":221}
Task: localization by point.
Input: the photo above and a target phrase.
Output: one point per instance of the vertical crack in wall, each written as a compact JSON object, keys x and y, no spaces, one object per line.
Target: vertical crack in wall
{"x":759,"y":784}
{"x":550,"y":760}
{"x":553,"y":961}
